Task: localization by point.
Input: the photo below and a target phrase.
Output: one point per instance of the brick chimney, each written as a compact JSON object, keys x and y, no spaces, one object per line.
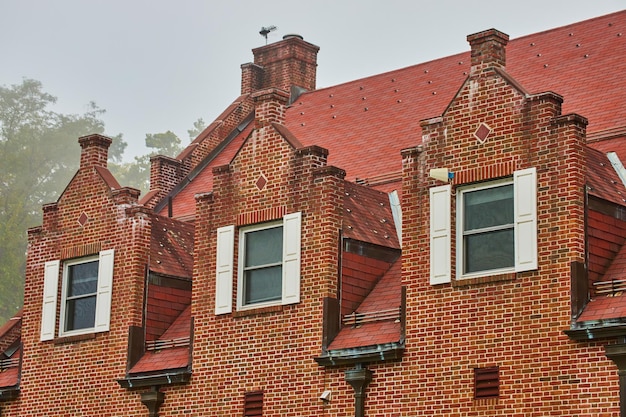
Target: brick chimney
{"x":95,"y":150}
{"x":488,"y":49}
{"x":283,"y":65}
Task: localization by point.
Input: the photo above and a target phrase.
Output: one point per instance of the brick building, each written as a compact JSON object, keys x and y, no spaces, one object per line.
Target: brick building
{"x":444,"y":239}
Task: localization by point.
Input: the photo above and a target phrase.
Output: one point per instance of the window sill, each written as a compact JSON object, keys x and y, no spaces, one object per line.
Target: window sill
{"x":258,"y":311}
{"x":74,"y":338}
{"x":508,"y":276}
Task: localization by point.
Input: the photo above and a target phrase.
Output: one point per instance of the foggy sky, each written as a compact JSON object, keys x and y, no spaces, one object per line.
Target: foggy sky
{"x":160,"y":65}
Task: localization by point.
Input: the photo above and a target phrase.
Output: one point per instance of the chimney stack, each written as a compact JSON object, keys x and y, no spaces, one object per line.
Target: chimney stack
{"x":95,"y":150}
{"x":488,"y":49}
{"x":284,"y":64}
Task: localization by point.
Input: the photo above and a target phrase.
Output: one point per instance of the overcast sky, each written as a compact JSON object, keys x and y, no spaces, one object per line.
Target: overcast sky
{"x":157,"y":65}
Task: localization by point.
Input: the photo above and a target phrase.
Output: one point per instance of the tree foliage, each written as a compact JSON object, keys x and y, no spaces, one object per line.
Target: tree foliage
{"x":39,"y":156}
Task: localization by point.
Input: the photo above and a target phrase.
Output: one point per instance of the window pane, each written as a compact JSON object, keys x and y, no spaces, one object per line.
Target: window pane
{"x":264,"y":247}
{"x":262,"y":285}
{"x":82,"y":279}
{"x":80,"y":313}
{"x":492,"y":250}
{"x":488,"y":207}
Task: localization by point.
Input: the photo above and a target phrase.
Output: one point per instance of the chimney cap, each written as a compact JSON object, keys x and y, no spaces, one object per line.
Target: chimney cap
{"x":293,"y":35}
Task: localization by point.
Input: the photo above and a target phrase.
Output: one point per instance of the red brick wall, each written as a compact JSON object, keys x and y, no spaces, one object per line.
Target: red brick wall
{"x":78,"y":377}
{"x":269,"y":349}
{"x":514,"y":321}
{"x":291,"y":61}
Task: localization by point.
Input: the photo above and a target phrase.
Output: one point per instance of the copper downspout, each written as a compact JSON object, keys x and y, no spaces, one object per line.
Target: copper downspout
{"x":359,"y":378}
{"x":153,"y":400}
{"x":617,"y":353}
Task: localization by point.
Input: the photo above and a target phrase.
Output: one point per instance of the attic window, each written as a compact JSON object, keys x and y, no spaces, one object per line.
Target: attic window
{"x":253,"y":404}
{"x":486,"y":382}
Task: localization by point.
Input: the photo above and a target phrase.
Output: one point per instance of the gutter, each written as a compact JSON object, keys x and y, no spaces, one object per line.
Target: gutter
{"x":181,"y":376}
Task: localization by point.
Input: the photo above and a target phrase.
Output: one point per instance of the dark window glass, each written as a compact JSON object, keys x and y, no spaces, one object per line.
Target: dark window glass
{"x":263,"y":265}
{"x":82,"y":286}
{"x":488,"y":229}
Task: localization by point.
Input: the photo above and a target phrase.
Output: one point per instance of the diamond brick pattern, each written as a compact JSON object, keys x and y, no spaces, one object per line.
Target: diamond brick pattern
{"x":82,"y":219}
{"x":261,"y":183}
{"x":482,"y":132}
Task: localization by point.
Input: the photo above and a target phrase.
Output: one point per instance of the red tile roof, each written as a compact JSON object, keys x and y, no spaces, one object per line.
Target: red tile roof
{"x":604,"y":308}
{"x":184,"y":203}
{"x":612,"y":306}
{"x":368,"y":216}
{"x":386,"y":295}
{"x":171,"y":247}
{"x":13,"y":322}
{"x":602,"y":180}
{"x":9,"y":377}
{"x":616,"y":143}
{"x":167,"y":358}
{"x":181,"y":328}
{"x":366,"y":123}
{"x":162,"y":360}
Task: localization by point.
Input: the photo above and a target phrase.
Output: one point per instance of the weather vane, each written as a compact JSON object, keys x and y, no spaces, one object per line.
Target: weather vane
{"x":266,"y":30}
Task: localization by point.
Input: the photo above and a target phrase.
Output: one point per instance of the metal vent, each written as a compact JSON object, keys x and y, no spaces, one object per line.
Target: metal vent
{"x":487,"y":382}
{"x":253,"y":404}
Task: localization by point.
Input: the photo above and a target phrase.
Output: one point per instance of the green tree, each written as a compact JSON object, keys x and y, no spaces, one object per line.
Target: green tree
{"x":39,"y":156}
{"x":136,"y":174}
{"x":198,"y":127}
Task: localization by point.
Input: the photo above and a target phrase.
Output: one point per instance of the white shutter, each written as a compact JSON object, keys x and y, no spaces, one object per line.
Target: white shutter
{"x":292,"y":224}
{"x":50,"y":291}
{"x":525,"y":184}
{"x":224,"y":270}
{"x":105,"y":284}
{"x":440,"y":241}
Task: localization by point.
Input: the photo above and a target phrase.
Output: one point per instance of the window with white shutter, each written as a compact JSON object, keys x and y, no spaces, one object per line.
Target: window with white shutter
{"x":85,"y":302}
{"x":268,"y":264}
{"x":440,"y":241}
{"x":497,"y":226}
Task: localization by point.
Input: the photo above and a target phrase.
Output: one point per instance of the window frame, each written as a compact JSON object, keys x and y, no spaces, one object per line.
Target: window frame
{"x":226,"y":258}
{"x":64,"y":297}
{"x":57,"y":269}
{"x":461,"y":232}
{"x":243,"y":231}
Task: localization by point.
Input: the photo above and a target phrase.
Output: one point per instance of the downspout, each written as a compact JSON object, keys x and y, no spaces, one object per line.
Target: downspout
{"x":359,"y":378}
{"x":153,"y":400}
{"x":617,"y":353}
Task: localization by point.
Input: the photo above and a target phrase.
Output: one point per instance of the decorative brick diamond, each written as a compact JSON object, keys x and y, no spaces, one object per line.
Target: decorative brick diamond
{"x":261,"y":182}
{"x":482,"y":132}
{"x":82,"y":219}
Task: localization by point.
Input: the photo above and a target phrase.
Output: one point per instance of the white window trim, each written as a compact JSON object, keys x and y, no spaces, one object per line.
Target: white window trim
{"x":525,"y":223}
{"x":292,"y":225}
{"x":461,"y":228}
{"x":240,"y":270}
{"x":102,"y":317}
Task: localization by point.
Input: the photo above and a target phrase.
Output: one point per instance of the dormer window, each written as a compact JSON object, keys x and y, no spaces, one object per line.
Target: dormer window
{"x":268,"y":265}
{"x":85,"y":302}
{"x":80,"y":290}
{"x":496,"y":228}
{"x":486,"y":229}
{"x":261,"y":260}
